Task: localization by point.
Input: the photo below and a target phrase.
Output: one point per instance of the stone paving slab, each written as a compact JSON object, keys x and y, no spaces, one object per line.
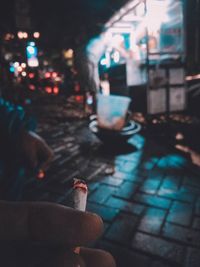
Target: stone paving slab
{"x":180,"y":213}
{"x":160,"y":247}
{"x":124,"y":205}
{"x":192,"y":258}
{"x":152,"y":220}
{"x":122,"y":229}
{"x":107,"y":213}
{"x":185,"y":235}
{"x":125,"y":256}
{"x":147,"y":193}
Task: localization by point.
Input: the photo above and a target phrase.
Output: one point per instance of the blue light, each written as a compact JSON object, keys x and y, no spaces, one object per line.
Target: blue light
{"x":89,"y":100}
{"x":31,"y":51}
{"x":31,"y":43}
{"x":12,"y":69}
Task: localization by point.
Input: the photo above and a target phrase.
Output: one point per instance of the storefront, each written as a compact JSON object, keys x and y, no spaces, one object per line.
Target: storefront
{"x":141,"y":53}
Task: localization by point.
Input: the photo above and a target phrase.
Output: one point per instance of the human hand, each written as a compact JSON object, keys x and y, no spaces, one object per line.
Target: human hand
{"x":44,"y":234}
{"x":35,"y":151}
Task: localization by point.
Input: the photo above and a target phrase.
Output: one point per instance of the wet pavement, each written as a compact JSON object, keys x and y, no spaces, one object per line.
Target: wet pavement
{"x":147,"y":192}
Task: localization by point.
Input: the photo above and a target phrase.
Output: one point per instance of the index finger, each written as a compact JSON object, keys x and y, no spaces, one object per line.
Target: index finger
{"x":48,"y":223}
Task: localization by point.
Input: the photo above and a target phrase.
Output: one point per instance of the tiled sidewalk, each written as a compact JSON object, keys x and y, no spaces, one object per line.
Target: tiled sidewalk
{"x":147,"y":194}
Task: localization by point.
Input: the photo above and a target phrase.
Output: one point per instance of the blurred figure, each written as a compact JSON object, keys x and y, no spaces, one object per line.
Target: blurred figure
{"x":19,"y":147}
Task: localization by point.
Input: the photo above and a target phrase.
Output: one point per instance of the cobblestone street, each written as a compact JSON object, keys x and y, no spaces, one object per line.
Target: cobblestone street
{"x":147,"y":193}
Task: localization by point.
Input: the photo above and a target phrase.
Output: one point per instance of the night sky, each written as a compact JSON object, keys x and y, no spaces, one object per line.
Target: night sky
{"x":63,"y":22}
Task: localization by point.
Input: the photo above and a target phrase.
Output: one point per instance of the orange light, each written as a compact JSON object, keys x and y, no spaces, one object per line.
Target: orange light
{"x":41,"y":174}
{"x":68,"y":53}
{"x":48,"y":89}
{"x":56,"y":90}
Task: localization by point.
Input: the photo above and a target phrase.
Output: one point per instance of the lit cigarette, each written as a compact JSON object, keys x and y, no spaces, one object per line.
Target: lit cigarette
{"x":80,"y":191}
{"x":40,"y":174}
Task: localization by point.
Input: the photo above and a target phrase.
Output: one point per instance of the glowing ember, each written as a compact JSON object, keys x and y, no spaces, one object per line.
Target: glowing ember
{"x":41,"y":174}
